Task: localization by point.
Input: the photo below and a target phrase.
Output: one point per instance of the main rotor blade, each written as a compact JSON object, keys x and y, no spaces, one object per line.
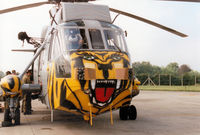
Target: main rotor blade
{"x":23,"y":7}
{"x":24,"y":50}
{"x":149,"y":22}
{"x":183,"y":0}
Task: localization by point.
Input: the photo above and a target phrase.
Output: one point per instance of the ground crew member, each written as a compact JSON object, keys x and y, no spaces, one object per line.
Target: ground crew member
{"x":8,"y":73}
{"x":26,"y":103}
{"x":14,"y":72}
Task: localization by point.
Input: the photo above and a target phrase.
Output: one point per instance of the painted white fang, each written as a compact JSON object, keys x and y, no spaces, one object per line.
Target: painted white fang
{"x":101,"y":104}
{"x":118,"y":84}
{"x":93,"y":84}
{"x":93,"y":100}
{"x":109,"y":100}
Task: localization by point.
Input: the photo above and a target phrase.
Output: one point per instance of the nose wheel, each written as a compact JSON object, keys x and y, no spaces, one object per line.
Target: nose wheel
{"x":128,"y":112}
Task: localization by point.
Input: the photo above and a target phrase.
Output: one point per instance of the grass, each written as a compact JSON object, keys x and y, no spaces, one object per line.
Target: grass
{"x":171,"y":88}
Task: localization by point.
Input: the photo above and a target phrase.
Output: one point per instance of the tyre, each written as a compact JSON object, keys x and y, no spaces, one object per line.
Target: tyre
{"x":7,"y":115}
{"x":123,"y":113}
{"x":132,"y":112}
{"x":7,"y":119}
{"x":6,"y":123}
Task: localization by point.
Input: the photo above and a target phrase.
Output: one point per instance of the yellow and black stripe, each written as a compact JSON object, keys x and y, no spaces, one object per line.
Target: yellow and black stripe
{"x":11,"y":83}
{"x":73,"y":94}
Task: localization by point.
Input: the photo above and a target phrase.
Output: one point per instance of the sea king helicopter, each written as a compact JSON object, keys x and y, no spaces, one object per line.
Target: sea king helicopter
{"x":81,"y":66}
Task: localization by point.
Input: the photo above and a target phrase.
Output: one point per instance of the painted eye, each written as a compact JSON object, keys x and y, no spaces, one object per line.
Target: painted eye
{"x":116,"y":58}
{"x":88,"y":57}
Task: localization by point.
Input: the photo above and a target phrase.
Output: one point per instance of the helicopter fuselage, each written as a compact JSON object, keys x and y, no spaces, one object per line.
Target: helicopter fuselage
{"x":81,"y":65}
{"x":86,"y":67}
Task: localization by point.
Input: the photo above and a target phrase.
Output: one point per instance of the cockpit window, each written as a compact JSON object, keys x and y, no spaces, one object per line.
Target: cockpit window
{"x":74,"y":23}
{"x":63,"y":67}
{"x":75,"y":38}
{"x":80,"y":36}
{"x":114,"y":40}
{"x":108,"y":25}
{"x":96,"y":39}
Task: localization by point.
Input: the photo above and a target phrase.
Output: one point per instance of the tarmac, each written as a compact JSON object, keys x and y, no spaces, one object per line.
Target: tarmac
{"x":159,"y":113}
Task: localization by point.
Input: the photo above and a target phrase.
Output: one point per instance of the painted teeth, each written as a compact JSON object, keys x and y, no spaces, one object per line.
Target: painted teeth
{"x":110,"y":83}
{"x":94,"y":101}
{"x":109,"y":100}
{"x":93,"y":83}
{"x":118,"y":84}
{"x":101,"y":104}
{"x":106,"y":81}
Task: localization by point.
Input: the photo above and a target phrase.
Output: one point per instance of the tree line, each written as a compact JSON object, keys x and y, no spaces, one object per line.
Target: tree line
{"x":172,"y":74}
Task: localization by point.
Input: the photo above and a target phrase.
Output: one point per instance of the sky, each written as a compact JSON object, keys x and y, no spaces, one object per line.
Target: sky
{"x":145,"y":42}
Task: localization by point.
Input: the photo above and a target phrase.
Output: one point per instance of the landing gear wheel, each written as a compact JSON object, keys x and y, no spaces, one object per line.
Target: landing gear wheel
{"x":6,"y":124}
{"x":132,"y":112}
{"x":123,"y":112}
{"x":7,"y":115}
{"x":7,"y":119}
{"x":17,"y":117}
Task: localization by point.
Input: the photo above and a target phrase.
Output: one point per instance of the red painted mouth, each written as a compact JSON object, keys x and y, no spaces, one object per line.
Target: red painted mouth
{"x":102,"y":91}
{"x":103,"y":94}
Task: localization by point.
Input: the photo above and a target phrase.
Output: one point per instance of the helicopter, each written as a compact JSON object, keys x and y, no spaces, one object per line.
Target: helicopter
{"x":81,"y":65}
